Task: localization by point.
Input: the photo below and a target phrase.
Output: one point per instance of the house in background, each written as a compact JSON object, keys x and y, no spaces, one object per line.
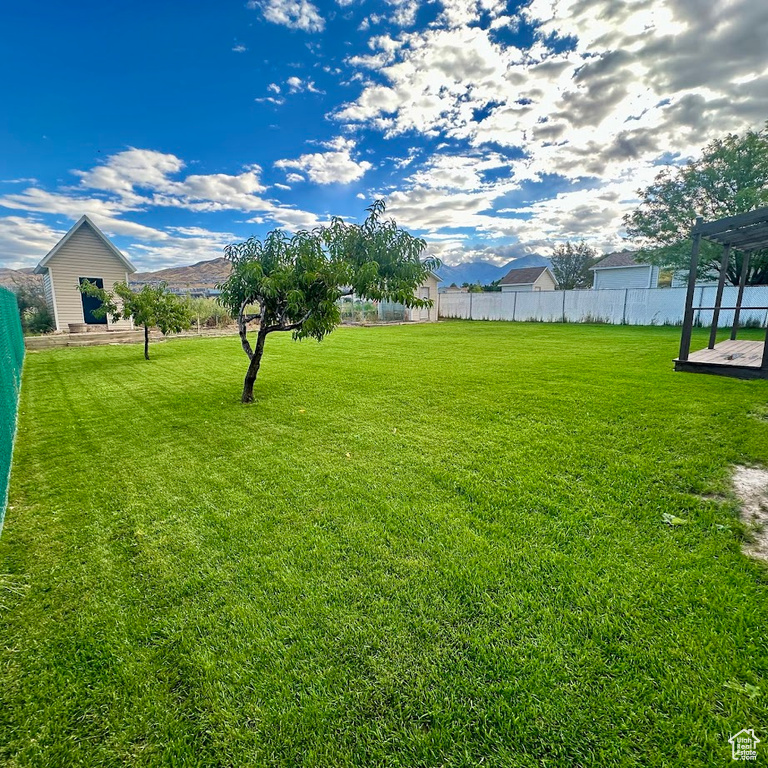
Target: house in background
{"x":680,"y":280}
{"x":84,"y":253}
{"x":621,"y":270}
{"x":528,"y":279}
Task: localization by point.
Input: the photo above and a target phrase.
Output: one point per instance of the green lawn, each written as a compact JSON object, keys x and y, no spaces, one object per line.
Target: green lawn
{"x":422,"y":546}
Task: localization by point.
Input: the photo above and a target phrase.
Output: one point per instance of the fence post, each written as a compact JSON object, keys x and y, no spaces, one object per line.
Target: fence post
{"x":624,"y":311}
{"x":514,"y":304}
{"x":564,"y":292}
{"x":470,"y":306}
{"x":701,"y":304}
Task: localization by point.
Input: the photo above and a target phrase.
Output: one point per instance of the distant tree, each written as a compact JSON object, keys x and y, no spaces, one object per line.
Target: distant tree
{"x":571,"y":263}
{"x":474,"y":287}
{"x":294,"y":283}
{"x":151,"y":307}
{"x":207,"y":312}
{"x":35,"y":315}
{"x":729,"y":178}
{"x":493,"y":287}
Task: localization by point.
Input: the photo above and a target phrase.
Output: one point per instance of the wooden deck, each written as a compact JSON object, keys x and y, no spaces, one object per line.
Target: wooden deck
{"x":740,"y":359}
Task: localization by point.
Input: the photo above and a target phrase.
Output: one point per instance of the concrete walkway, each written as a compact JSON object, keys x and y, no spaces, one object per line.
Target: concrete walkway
{"x":97,"y":338}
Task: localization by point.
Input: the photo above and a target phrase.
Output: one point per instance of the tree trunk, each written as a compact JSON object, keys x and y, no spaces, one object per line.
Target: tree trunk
{"x":146,"y":342}
{"x":253,"y":368}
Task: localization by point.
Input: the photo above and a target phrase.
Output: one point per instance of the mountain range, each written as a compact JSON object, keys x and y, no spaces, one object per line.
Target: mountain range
{"x":202,"y":274}
{"x":13,"y":278}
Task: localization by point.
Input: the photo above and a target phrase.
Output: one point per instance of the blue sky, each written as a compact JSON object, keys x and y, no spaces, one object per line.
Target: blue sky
{"x":492,"y":129}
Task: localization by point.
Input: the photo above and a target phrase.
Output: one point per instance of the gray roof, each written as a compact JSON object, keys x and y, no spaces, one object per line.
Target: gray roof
{"x":618,"y":259}
{"x":523,"y":276}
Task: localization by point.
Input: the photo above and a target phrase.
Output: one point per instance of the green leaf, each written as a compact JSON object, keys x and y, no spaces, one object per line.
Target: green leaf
{"x":673,"y":519}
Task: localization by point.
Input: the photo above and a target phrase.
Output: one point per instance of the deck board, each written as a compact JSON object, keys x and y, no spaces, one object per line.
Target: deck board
{"x":732,"y":353}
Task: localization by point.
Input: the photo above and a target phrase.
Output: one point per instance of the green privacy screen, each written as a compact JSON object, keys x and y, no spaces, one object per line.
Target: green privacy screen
{"x":11,"y":358}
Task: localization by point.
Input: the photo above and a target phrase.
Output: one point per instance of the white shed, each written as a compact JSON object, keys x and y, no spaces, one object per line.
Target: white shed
{"x":621,"y":270}
{"x":528,"y":279}
{"x":427,"y":290}
{"x":390,"y":311}
{"x":84,"y":253}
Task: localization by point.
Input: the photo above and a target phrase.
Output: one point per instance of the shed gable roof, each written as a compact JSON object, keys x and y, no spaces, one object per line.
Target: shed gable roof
{"x":619,"y":259}
{"x":82,"y":221}
{"x":523,"y":276}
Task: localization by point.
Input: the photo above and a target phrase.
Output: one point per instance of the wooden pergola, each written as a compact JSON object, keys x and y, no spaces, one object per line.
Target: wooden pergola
{"x":747,"y":232}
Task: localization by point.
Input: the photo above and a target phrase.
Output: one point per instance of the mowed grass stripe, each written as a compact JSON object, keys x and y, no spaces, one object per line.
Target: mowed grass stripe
{"x":427,"y":545}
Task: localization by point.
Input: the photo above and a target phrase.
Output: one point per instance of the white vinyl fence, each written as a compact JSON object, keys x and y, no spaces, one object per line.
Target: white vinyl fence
{"x":648,"y":306}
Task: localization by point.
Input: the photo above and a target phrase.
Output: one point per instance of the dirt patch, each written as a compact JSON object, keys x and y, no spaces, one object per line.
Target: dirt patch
{"x":750,"y":485}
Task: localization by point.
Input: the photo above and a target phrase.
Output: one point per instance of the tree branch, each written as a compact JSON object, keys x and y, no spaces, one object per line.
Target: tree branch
{"x":291,"y":327}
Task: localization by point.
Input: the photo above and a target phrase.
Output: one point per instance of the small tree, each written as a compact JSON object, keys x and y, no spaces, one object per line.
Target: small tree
{"x":294,"y":283}
{"x":571,"y":263}
{"x":151,"y":307}
{"x":35,"y":315}
{"x":729,"y":178}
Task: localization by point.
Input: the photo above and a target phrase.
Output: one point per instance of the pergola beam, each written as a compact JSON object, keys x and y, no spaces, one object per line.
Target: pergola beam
{"x":745,"y":240}
{"x":759,"y":216}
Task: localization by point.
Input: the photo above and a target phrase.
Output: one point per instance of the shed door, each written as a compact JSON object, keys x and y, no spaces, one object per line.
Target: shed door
{"x":90,"y":303}
{"x":424,"y":294}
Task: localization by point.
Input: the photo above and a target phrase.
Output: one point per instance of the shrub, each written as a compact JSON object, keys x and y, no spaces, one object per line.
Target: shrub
{"x":36,"y":318}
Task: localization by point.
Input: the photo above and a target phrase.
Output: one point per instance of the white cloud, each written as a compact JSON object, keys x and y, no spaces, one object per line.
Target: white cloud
{"x":297,"y":85}
{"x":295,"y":14}
{"x":403,"y":12}
{"x":24,"y":241}
{"x":133,"y":169}
{"x":239,"y":49}
{"x":294,"y":219}
{"x":140,"y":177}
{"x":335,"y":166}
{"x":38,"y":200}
{"x":459,"y":172}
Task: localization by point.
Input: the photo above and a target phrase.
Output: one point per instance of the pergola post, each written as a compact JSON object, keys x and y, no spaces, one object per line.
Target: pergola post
{"x":764,"y":364}
{"x":719,"y":296}
{"x":685,"y":339}
{"x":740,"y":297}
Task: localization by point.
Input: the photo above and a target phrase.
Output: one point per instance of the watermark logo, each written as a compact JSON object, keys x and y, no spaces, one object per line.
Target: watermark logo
{"x":744,"y":745}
